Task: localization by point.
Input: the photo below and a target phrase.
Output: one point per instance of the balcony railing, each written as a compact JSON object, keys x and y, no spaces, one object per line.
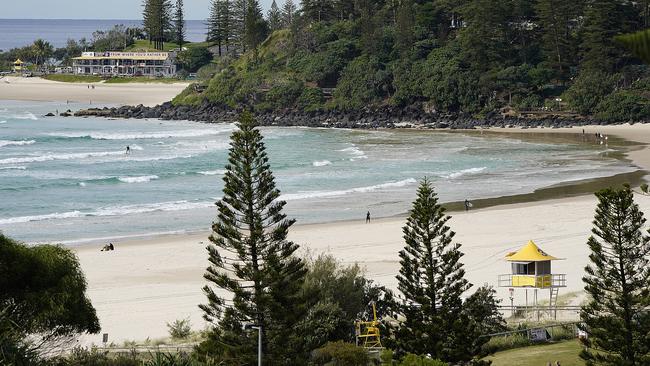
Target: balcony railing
{"x":534,"y":281}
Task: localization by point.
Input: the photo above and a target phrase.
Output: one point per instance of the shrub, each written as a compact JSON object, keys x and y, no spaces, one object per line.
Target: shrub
{"x":502,"y":343}
{"x":180,"y":329}
{"x":623,"y":106}
{"x":363,"y":82}
{"x":84,"y":357}
{"x":588,"y":90}
{"x":194,"y":58}
{"x":311,"y":99}
{"x":341,"y":354}
{"x":415,"y":360}
{"x":562,"y":333}
{"x":284,"y":95}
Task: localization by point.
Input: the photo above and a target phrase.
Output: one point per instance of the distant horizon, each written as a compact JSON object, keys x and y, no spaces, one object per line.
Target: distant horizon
{"x":99,"y":10}
{"x":102,"y":19}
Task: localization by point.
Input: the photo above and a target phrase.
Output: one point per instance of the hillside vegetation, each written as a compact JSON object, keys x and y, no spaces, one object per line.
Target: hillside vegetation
{"x":470,"y":57}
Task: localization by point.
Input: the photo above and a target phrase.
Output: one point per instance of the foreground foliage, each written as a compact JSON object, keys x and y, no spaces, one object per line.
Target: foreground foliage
{"x":252,"y":261}
{"x":618,"y":282}
{"x":42,"y":301}
{"x":432,"y":281}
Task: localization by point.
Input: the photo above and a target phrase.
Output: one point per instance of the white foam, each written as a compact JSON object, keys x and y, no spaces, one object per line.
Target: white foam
{"x":355,"y":152}
{"x":324,"y":194}
{"x":143,"y":179}
{"x":16,"y":143}
{"x":136,"y":147}
{"x":460,"y":173}
{"x":139,"y":135}
{"x":112,"y":211}
{"x":82,"y":184}
{"x":50,"y":157}
{"x":322,"y":163}
{"x":13,"y":168}
{"x":2,"y":122}
{"x":26,"y":115}
{"x":213,"y":172}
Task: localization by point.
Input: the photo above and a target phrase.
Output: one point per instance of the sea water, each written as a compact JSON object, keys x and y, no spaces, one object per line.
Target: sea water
{"x":70,"y":179}
{"x":23,"y":32}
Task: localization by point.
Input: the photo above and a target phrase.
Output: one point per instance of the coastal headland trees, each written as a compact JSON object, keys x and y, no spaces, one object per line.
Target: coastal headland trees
{"x":458,"y":58}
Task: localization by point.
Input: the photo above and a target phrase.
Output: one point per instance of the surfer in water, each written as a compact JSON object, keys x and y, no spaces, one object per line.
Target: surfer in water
{"x":128,"y":150}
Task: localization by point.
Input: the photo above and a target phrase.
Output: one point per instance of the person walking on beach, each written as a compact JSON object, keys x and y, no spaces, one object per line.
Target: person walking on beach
{"x":368,"y":217}
{"x":468,"y":205}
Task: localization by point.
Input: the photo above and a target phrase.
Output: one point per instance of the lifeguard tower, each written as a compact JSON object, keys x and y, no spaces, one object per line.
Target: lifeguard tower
{"x":367,"y":332}
{"x":531,"y":269}
{"x":18,"y":66}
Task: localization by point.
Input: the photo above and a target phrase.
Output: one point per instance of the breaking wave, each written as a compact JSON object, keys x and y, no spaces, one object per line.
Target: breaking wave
{"x":213,"y":172}
{"x":16,"y":143}
{"x":322,"y":163}
{"x":324,"y":194}
{"x":142,"y":179}
{"x":460,"y":173}
{"x":26,"y":115}
{"x":50,"y":157}
{"x":112,"y":211}
{"x":139,"y":135}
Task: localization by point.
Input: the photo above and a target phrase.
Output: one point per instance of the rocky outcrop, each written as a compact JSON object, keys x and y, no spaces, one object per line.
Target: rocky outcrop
{"x":367,"y":118}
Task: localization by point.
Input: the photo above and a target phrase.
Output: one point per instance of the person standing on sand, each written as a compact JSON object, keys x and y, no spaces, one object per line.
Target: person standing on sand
{"x":468,"y":205}
{"x":368,"y":217}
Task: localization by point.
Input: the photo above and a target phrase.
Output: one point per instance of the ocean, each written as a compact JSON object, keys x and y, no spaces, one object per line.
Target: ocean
{"x":69,"y":180}
{"x":22,"y":32}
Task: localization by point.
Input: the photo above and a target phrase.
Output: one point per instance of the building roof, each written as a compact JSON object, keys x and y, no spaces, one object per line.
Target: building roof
{"x":141,"y":56}
{"x":530,"y":253}
{"x":18,"y":62}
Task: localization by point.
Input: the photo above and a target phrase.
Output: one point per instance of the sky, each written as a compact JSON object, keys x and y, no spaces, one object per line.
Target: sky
{"x":96,"y":9}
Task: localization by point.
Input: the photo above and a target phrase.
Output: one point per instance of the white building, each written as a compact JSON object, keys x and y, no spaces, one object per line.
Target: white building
{"x":153,"y":64}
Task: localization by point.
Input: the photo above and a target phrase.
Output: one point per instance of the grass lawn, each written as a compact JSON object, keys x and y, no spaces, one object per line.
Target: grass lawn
{"x":566,"y":352}
{"x":65,"y":78}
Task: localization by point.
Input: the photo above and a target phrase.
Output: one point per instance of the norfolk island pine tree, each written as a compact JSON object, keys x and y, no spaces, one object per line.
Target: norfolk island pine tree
{"x":617,"y":317}
{"x":251,"y":259}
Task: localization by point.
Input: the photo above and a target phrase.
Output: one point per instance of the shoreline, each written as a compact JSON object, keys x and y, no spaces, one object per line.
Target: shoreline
{"x":584,"y":187}
{"x":146,"y":283}
{"x":41,"y":90}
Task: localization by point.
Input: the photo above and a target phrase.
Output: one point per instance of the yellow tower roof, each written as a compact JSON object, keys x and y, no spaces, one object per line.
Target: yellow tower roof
{"x":18,"y":62}
{"x":530,"y":253}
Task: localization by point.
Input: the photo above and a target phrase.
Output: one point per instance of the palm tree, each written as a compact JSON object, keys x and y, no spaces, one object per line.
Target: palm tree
{"x":42,"y":50}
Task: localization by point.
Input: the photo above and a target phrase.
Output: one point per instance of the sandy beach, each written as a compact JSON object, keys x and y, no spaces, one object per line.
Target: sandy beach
{"x":144,"y":284}
{"x":37,"y":89}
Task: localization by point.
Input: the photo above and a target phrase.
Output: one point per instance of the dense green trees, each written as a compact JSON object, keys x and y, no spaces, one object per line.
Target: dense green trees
{"x":254,"y":274}
{"x":470,"y":57}
{"x":432,"y":280}
{"x":42,"y":50}
{"x":179,"y":24}
{"x":221,"y":25}
{"x":274,"y":17}
{"x":157,"y":21}
{"x":618,"y":282}
{"x":42,"y":298}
